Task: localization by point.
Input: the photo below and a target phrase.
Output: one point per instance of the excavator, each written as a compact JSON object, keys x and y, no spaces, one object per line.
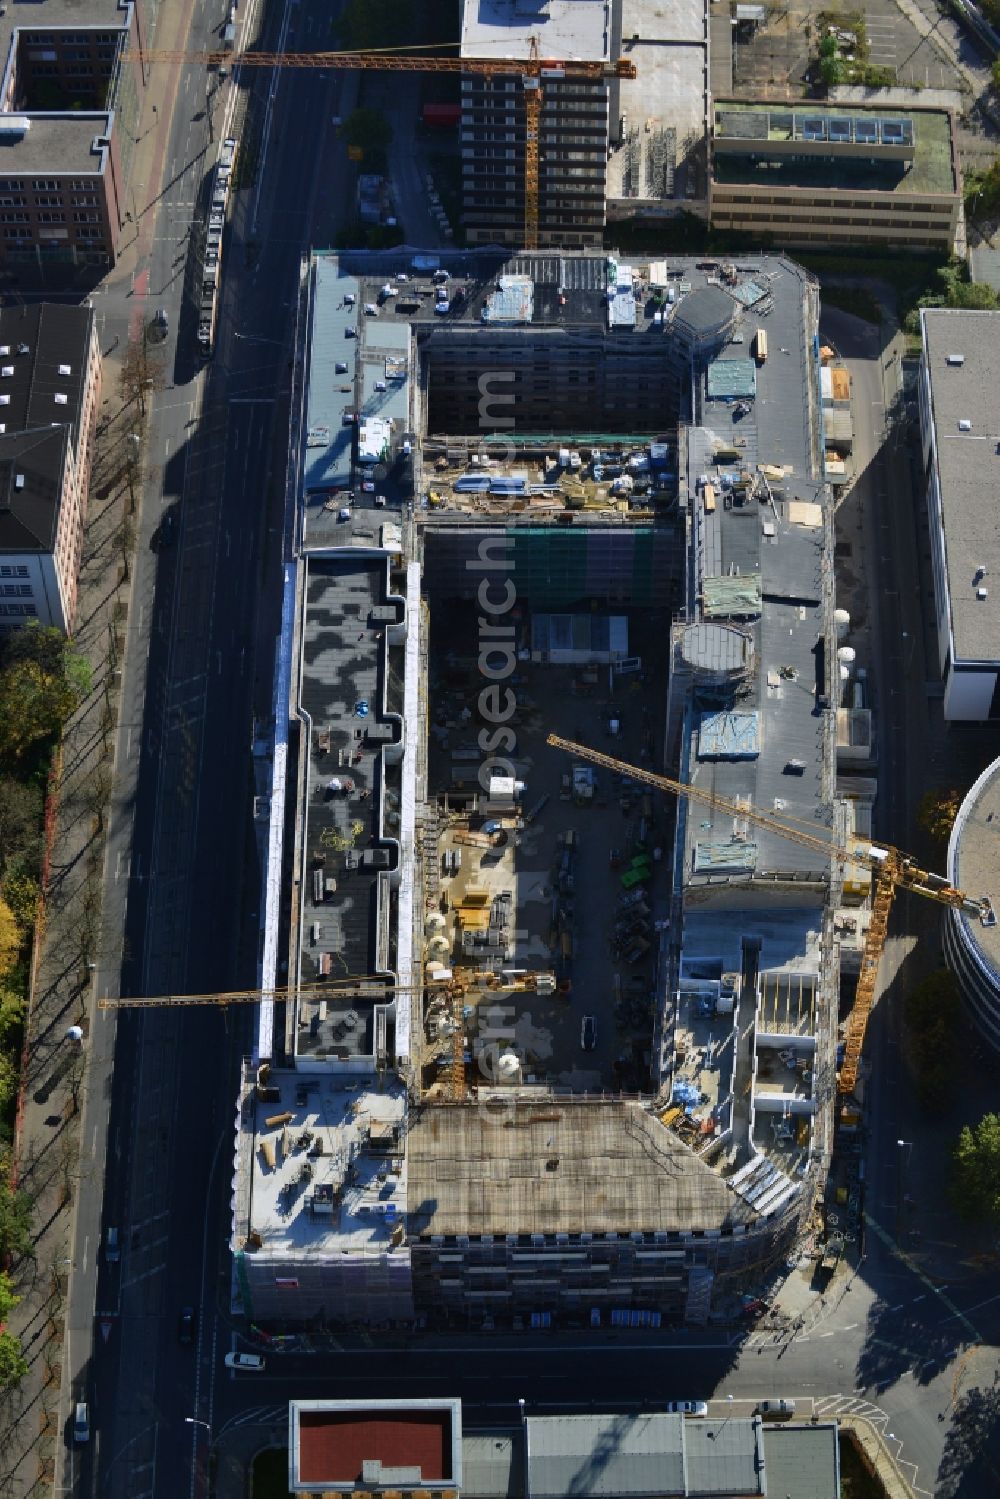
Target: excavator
{"x":891,"y":870}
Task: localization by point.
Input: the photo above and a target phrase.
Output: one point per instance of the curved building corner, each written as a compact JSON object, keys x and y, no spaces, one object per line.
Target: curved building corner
{"x":971,"y":948}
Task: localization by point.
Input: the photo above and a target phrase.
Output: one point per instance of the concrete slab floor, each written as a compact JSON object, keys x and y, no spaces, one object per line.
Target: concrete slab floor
{"x":566,"y":909}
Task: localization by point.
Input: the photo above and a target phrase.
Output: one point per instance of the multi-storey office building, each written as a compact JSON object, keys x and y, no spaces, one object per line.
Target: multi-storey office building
{"x":645,"y":1044}
{"x":70,"y":99}
{"x":835,"y":174}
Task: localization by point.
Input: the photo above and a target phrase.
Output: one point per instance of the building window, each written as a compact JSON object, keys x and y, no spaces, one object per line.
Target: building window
{"x":46,"y":184}
{"x":52,"y":218}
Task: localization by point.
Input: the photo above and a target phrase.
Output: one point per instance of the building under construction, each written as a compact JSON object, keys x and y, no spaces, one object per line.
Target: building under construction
{"x":563,"y":1046}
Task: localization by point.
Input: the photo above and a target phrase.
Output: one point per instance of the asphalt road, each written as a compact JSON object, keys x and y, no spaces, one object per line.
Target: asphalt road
{"x":183,"y":902}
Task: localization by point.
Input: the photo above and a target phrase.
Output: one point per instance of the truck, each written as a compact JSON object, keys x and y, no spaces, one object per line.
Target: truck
{"x":760,"y":345}
{"x":833,"y":1249}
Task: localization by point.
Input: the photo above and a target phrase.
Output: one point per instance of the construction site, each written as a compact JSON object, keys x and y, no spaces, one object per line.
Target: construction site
{"x":559,"y":878}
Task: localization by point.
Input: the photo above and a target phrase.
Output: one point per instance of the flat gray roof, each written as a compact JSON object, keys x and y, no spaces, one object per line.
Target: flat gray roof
{"x":565,"y":28}
{"x":803,"y":1460}
{"x":56,"y":143}
{"x":777,"y":552}
{"x":665,"y":103}
{"x":969,"y":466}
{"x":930,"y":169}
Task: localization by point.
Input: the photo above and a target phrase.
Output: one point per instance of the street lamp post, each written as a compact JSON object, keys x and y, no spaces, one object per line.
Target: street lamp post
{"x":197,"y":1421}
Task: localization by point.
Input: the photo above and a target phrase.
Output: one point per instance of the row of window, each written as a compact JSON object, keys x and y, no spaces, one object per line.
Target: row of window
{"x":884,"y":223}
{"x":46,"y":184}
{"x":18,"y":610}
{"x":8,"y":570}
{"x":830,"y":204}
{"x":70,"y":38}
{"x":15,"y":590}
{"x":47,"y":200}
{"x":49,"y":217}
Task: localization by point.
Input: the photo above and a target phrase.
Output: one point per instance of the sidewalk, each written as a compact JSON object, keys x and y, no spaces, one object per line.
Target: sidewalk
{"x":60,"y":1102}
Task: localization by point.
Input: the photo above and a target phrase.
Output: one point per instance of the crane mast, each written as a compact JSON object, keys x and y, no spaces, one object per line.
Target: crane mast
{"x":891,"y":870}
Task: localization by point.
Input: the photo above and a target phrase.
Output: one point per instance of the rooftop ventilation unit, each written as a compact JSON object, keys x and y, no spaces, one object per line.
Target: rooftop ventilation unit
{"x":14,"y":124}
{"x":60,"y":398}
{"x":65,"y":369}
{"x":982,"y":593}
{"x":23,"y":349}
{"x":18,"y":481}
{"x":955,"y":359}
{"x":964,"y":425}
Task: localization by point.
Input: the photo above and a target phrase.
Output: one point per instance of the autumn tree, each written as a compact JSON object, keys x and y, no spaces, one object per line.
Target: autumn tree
{"x":937,"y":812}
{"x":13,"y":1365}
{"x":43,"y":678}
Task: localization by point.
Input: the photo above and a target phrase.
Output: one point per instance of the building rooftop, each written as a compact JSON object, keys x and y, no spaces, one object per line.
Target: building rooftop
{"x":352,"y":1444}
{"x":974,"y":860}
{"x":836,"y":146}
{"x":566,"y":29}
{"x":512,"y":1166}
{"x":345,"y":863}
{"x":57,"y":143}
{"x":44,"y":352}
{"x":705,"y":309}
{"x":803,"y":1460}
{"x":338,"y":1182}
{"x":31,"y":472}
{"x":761,"y":565}
{"x":969,"y":466}
{"x":665,"y":106}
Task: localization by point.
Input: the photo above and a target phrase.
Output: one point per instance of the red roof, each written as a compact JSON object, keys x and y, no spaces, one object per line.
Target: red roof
{"x":333,"y":1445}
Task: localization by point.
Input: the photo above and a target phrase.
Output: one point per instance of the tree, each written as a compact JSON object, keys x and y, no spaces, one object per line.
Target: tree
{"x":975,"y":1184}
{"x":8,"y":1301}
{"x":937,"y":812}
{"x":831,"y":71}
{"x":995,"y":75}
{"x":15,"y":1213}
{"x":10,"y":939}
{"x":13,"y":1364}
{"x":368,"y":129}
{"x":43,"y":678}
{"x":20,"y":821}
{"x":143,"y":369}
{"x":367,"y":24}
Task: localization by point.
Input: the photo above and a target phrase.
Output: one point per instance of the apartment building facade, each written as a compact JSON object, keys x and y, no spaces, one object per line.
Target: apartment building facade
{"x":50,"y":393}
{"x":572,"y":161}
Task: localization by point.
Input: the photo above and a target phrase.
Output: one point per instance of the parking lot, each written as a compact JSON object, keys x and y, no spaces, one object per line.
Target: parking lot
{"x":773,"y":59}
{"x":587,"y":876}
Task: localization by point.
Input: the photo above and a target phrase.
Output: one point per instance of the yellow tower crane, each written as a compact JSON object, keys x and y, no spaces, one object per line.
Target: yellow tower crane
{"x":533,"y":71}
{"x":891,"y":871}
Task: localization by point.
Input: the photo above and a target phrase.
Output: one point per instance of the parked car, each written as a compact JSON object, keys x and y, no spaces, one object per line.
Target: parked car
{"x":690,"y":1408}
{"x":251,"y":1363}
{"x":588,"y":1032}
{"x":776,"y":1410}
{"x":112,"y":1249}
{"x":162,"y":318}
{"x":81,"y":1422}
{"x":186,"y":1324}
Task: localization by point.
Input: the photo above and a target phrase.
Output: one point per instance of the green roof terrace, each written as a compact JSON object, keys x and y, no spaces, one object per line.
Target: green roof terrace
{"x":868,"y":150}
